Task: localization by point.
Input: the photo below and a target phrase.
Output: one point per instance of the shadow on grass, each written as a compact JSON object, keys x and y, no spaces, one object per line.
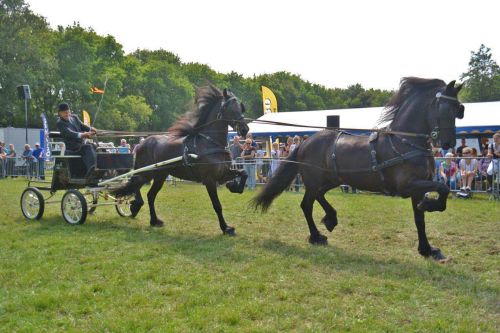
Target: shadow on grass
{"x":336,"y":259}
{"x":225,"y":250}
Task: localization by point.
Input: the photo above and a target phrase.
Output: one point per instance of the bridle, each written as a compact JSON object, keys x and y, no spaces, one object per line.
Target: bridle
{"x":235,"y":123}
{"x":440,"y":97}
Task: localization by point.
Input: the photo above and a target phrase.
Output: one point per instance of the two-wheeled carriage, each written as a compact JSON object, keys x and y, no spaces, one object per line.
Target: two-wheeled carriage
{"x":83,"y":194}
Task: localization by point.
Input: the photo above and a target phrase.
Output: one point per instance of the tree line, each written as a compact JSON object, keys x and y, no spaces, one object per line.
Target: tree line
{"x":149,"y":89}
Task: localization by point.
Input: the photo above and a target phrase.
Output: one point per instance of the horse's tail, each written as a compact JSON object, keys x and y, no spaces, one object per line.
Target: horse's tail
{"x":280,"y":180}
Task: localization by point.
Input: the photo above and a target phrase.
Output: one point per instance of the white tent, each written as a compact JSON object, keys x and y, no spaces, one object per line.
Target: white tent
{"x":479,"y":118}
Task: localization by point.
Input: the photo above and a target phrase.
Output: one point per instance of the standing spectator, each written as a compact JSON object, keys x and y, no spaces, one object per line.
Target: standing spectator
{"x":289,"y":142}
{"x":27,"y":157}
{"x":248,"y":155}
{"x":250,"y":136}
{"x":235,"y":148}
{"x":305,"y":137}
{"x":295,"y":143}
{"x":11,"y":160}
{"x":461,"y":148}
{"x":437,"y":164}
{"x":38,"y":155}
{"x":275,"y":158}
{"x":468,"y":169}
{"x":293,"y":146}
{"x":124,"y":147}
{"x":494,"y":154}
{"x":259,"y":163}
{"x":448,"y":170}
{"x":3,"y":159}
{"x":141,"y":140}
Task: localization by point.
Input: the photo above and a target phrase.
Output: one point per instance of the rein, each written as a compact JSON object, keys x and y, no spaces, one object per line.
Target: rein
{"x":439,"y":95}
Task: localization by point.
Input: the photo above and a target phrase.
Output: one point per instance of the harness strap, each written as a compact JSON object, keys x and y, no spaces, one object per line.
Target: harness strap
{"x":373,"y":154}
{"x":193,"y":148}
{"x":390,"y":162}
{"x":334,"y":156}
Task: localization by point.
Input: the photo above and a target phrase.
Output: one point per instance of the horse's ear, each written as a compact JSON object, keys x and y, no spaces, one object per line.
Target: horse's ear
{"x":224,"y":93}
{"x":451,"y":85}
{"x":459,"y":86}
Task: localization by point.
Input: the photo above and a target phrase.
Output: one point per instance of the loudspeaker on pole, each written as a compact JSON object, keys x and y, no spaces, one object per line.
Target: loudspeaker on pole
{"x":23,"y":92}
{"x":333,"y":121}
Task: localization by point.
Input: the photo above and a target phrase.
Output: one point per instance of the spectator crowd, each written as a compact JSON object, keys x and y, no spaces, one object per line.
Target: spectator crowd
{"x":463,"y":168}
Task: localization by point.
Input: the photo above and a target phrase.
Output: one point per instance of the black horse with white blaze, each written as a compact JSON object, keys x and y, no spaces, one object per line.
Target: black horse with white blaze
{"x":203,"y":132}
{"x":397,"y":161}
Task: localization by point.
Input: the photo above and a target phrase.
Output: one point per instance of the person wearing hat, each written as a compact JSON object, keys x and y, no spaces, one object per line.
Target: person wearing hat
{"x":73,"y":132}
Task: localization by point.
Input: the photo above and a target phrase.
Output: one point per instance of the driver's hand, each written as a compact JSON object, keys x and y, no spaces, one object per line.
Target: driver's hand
{"x":93,"y":130}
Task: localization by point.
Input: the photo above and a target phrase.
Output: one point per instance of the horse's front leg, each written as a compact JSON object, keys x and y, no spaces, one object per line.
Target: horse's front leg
{"x":424,"y":248}
{"x":418,"y":188}
{"x":212,"y":192}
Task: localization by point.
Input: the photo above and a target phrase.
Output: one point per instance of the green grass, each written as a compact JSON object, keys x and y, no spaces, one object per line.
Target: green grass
{"x":119,"y":275}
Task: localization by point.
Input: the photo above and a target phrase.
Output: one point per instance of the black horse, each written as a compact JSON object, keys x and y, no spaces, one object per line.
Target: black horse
{"x":397,"y":161}
{"x":203,"y":132}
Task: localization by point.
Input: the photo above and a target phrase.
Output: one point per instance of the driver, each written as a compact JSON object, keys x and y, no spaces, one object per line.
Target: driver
{"x":73,"y":132}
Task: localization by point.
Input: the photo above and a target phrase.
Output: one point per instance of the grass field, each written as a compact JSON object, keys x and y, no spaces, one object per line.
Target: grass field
{"x":115,"y":274}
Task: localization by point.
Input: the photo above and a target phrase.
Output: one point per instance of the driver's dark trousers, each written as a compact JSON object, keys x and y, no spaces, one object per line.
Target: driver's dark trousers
{"x":88,"y":154}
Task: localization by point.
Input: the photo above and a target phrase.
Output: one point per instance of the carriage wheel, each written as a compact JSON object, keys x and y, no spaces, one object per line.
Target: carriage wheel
{"x":74,"y":207}
{"x":32,"y":203}
{"x":123,"y":207}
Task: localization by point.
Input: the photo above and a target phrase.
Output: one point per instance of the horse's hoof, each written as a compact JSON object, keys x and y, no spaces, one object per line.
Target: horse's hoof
{"x":234,"y":187}
{"x":329,"y":223}
{"x":438,"y":256}
{"x":229,"y":231}
{"x":157,"y":224}
{"x":134,"y":209}
{"x":318,"y":240}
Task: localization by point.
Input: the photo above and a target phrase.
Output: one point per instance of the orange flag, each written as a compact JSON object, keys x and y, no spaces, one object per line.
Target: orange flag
{"x":96,"y":90}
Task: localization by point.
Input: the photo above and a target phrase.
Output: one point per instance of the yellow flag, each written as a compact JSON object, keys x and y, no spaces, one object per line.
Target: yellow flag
{"x":86,"y":118}
{"x":269,"y":102}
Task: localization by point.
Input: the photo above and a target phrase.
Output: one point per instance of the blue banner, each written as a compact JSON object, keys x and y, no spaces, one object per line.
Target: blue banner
{"x":46,"y":145}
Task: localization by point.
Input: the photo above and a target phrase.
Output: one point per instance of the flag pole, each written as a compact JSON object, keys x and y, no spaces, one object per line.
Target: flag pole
{"x":100,"y":101}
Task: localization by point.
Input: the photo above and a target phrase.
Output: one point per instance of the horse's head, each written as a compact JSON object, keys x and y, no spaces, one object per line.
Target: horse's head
{"x":232,"y":111}
{"x":442,"y":120}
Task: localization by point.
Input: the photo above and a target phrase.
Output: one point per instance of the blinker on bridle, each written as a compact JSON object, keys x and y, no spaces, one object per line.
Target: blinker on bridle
{"x":459,"y":114}
{"x":223,"y":106}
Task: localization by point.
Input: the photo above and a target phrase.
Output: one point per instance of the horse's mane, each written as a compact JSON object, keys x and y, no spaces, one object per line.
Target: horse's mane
{"x":410,"y":89}
{"x":204,"y":100}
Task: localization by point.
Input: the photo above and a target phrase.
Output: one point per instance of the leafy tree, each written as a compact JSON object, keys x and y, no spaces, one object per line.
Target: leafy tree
{"x":145,"y":90}
{"x":25,"y":58}
{"x":482,"y":80}
{"x":130,"y":113}
{"x":200,"y":74}
{"x":167,"y":91}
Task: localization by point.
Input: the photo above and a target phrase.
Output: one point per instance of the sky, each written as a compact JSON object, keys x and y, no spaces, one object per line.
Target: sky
{"x":331,"y":42}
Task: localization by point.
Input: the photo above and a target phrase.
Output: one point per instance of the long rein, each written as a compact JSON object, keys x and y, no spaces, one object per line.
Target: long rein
{"x":386,"y":131}
{"x":268,"y":122}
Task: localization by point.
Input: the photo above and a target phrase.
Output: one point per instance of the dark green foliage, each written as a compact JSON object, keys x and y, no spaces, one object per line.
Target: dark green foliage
{"x":482,"y":80}
{"x":64,"y":64}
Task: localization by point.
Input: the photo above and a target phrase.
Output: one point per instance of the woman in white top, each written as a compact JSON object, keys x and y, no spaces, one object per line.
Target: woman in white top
{"x":468,"y":169}
{"x":275,"y":158}
{"x":494,"y":154}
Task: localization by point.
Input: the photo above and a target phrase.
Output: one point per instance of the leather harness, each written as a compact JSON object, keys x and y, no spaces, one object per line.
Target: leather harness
{"x":375,"y":165}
